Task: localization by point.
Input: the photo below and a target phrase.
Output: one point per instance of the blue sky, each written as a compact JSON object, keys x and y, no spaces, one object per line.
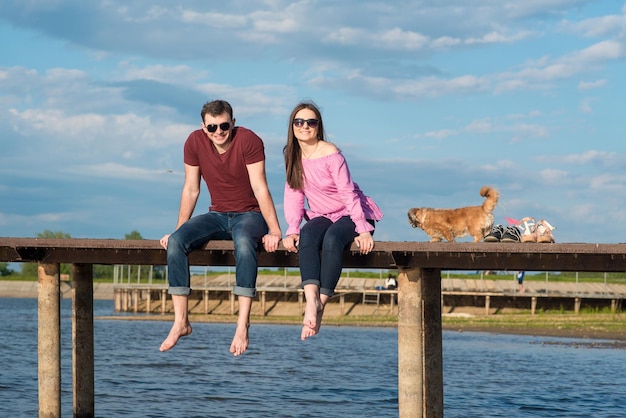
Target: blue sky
{"x":428,"y":100}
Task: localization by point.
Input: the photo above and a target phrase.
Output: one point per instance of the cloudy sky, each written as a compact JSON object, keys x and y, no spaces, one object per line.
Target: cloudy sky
{"x":428,"y":100}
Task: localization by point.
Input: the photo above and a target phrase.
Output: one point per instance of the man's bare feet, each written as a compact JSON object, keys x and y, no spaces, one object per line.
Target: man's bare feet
{"x":240,"y":340}
{"x":175,"y":334}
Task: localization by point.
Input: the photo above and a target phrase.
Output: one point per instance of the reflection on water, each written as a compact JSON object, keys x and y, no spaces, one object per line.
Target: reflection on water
{"x":343,"y":372}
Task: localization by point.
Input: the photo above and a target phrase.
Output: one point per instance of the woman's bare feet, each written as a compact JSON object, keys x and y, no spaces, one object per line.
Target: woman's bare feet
{"x":175,"y":334}
{"x":240,"y":340}
{"x":312,"y":319}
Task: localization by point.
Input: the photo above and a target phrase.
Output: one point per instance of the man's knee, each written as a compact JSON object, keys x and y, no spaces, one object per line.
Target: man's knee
{"x":175,"y":247}
{"x":246,"y":244}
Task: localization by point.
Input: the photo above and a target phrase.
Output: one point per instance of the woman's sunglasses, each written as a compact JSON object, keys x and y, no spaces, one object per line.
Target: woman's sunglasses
{"x":223,"y":126}
{"x":299,"y":123}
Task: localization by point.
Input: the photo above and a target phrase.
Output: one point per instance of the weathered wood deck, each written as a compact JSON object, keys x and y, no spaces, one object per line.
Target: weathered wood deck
{"x":420,"y":365}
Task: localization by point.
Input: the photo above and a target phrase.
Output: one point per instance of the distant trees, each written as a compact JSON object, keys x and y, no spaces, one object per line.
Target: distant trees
{"x":100,"y":271}
{"x":30,"y":269}
{"x":5,"y":270}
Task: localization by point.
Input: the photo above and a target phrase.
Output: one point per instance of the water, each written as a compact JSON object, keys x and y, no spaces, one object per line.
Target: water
{"x":343,"y":372}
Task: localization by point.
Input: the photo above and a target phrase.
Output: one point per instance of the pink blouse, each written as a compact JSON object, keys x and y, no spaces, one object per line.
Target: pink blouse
{"x":330,"y":192}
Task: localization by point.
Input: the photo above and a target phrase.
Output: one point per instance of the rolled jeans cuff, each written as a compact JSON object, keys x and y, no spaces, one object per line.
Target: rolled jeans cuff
{"x":310,"y":281}
{"x":179,"y":290}
{"x":327,"y":292}
{"x":244,"y":291}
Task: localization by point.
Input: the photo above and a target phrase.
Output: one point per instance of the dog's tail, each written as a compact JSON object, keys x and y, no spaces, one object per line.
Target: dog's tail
{"x":491,"y":198}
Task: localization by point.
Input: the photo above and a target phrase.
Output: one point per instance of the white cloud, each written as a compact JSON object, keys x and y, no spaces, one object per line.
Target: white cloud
{"x":434,"y":87}
{"x":602,"y":26}
{"x":214,"y":19}
{"x":603,"y":158}
{"x":179,"y":74}
{"x":120,"y":171}
{"x":554,"y":176}
{"x":585,"y":106}
{"x":479,"y":126}
{"x":588,"y":85}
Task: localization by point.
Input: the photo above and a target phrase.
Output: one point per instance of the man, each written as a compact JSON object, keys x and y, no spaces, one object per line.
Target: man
{"x":231,"y":160}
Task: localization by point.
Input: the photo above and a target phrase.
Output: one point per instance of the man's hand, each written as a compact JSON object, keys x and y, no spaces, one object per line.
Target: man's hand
{"x":271,"y":241}
{"x":164,"y":240}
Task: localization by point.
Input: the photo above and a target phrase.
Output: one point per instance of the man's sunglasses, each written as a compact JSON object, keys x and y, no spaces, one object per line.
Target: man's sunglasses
{"x":299,"y":123}
{"x":223,"y":126}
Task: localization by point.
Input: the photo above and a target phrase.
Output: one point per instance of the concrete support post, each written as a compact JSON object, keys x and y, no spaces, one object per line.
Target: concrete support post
{"x":49,"y":340}
{"x":433,"y":345}
{"x":135,"y":300}
{"x":263,"y":300}
{"x":148,"y":300}
{"x":118,"y":300}
{"x":82,"y":340}
{"x":487,"y":304}
{"x":420,"y":360}
{"x":533,"y":305}
{"x":410,"y":344}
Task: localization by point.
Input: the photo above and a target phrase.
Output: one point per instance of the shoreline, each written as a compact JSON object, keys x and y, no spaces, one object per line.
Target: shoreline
{"x":582,"y":327}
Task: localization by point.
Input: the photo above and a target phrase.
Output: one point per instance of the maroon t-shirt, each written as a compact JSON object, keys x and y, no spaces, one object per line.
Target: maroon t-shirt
{"x":226,"y":175}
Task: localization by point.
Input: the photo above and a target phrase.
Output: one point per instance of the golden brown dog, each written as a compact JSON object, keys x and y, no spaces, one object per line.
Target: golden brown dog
{"x":455,"y":223}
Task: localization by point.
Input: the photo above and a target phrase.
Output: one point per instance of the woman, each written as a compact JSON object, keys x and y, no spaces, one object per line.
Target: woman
{"x":338,"y":212}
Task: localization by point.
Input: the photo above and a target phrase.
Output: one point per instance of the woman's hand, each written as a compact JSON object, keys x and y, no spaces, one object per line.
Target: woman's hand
{"x":365,"y":242}
{"x":291,"y":243}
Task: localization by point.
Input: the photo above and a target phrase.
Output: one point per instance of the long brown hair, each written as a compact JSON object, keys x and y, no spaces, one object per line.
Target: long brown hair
{"x":292,"y":151}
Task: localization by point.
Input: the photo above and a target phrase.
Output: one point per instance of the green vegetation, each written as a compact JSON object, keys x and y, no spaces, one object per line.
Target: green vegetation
{"x":5,"y":270}
{"x":603,"y":324}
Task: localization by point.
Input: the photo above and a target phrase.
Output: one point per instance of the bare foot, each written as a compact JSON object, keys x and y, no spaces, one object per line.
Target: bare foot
{"x":175,"y":334}
{"x":311,"y":313}
{"x":308,"y":330}
{"x":240,"y":340}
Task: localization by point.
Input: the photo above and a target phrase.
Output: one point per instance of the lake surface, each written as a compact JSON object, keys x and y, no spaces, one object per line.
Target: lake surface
{"x":342,"y":372}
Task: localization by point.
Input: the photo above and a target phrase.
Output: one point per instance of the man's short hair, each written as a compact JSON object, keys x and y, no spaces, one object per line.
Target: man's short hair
{"x":216,"y":108}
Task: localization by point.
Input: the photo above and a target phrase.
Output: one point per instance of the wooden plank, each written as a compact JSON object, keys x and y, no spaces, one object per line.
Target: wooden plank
{"x":459,"y":256}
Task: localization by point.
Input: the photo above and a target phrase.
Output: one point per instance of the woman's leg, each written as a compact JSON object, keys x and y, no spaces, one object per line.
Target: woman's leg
{"x":309,"y":246}
{"x":338,"y":238}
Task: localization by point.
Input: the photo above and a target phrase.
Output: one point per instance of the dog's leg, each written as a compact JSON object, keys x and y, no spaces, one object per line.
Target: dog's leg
{"x":448,"y":235}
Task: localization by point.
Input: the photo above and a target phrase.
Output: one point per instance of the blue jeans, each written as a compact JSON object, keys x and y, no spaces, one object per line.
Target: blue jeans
{"x":332,"y":239}
{"x":246,"y":229}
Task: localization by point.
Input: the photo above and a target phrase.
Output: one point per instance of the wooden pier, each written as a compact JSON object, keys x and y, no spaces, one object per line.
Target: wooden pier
{"x":354,"y":293}
{"x":419,"y":265}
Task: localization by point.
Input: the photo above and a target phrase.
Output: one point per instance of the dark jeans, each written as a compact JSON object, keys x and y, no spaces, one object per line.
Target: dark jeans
{"x":246,"y":230}
{"x":320,"y":251}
